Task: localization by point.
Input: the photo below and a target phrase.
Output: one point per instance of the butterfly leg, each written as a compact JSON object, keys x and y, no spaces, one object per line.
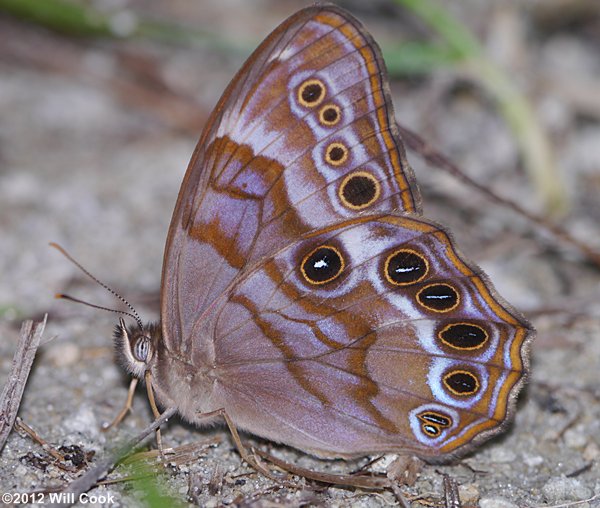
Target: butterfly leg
{"x":353,"y":480}
{"x":250,"y":459}
{"x":126,"y":407}
{"x":362,"y":481}
{"x":155,"y":411}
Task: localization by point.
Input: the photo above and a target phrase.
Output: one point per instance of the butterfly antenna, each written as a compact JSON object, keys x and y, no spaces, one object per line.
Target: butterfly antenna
{"x":62,"y":296}
{"x":133,"y":312}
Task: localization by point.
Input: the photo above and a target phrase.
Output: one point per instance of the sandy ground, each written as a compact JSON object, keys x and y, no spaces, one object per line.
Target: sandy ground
{"x":94,"y":140}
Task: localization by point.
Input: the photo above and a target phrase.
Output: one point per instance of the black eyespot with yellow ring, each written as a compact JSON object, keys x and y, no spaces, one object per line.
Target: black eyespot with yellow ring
{"x":439,"y":297}
{"x":432,"y":423}
{"x":311,"y":93}
{"x":359,"y":190}
{"x":336,"y":154}
{"x":463,"y":336}
{"x":329,"y":115}
{"x":322,"y":265}
{"x":461,"y":383}
{"x":404,"y":267}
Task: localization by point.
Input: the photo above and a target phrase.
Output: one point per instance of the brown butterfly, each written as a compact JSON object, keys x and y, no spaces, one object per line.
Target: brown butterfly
{"x":302,"y":291}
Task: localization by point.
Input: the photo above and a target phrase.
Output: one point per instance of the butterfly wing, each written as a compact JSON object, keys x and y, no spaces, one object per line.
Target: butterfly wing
{"x":396,"y":344}
{"x":407,"y":347}
{"x":303,"y":136}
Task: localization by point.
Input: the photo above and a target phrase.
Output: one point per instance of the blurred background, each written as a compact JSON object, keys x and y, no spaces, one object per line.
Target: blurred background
{"x":102,"y":102}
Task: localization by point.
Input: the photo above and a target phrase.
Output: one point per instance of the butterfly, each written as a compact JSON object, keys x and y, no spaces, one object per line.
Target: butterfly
{"x":303,"y":292}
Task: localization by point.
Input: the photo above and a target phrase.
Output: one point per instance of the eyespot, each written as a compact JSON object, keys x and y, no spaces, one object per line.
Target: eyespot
{"x":329,"y":115}
{"x":461,"y":383}
{"x":430,"y":430}
{"x":432,"y":423}
{"x":463,"y":336}
{"x":436,"y":418}
{"x":336,"y":154}
{"x":359,"y":190}
{"x":141,"y":349}
{"x":322,"y":265}
{"x":311,"y":93}
{"x":438,"y":297}
{"x":405,"y":266}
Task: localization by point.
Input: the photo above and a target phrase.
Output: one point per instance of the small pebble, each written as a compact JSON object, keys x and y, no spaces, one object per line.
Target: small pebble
{"x":533,"y":460}
{"x":64,"y":354}
{"x":591,"y":452}
{"x":468,"y":493}
{"x":496,"y":502}
{"x":381,"y":466}
{"x":502,"y":455}
{"x":21,"y":470}
{"x":565,"y":489}
{"x":576,"y":437}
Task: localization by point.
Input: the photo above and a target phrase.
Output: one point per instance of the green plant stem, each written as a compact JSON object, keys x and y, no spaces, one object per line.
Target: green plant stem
{"x":60,"y":15}
{"x":70,"y":18}
{"x":533,"y":143}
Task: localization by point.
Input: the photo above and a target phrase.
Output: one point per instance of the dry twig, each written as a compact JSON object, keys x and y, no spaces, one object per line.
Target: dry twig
{"x":10,"y":400}
{"x":432,"y":156}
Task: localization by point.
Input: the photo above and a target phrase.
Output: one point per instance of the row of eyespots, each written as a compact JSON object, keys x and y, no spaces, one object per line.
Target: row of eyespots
{"x":401,"y":268}
{"x":325,"y":264}
{"x":359,"y":189}
{"x":311,"y":94}
{"x":461,"y":383}
{"x":404,"y":267}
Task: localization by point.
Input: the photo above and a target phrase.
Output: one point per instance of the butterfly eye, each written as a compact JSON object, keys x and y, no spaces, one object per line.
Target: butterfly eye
{"x":322,"y":265}
{"x":142,"y":349}
{"x":405,"y":266}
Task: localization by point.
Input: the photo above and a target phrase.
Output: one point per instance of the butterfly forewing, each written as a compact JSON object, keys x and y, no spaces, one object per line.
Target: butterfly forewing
{"x":304,"y":135}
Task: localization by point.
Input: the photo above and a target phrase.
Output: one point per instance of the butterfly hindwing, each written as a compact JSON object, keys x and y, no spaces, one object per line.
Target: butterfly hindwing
{"x":394,"y":328}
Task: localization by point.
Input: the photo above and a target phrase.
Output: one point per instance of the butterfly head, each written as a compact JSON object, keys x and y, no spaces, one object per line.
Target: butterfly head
{"x":136,"y":346}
